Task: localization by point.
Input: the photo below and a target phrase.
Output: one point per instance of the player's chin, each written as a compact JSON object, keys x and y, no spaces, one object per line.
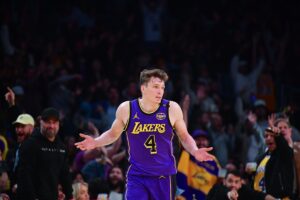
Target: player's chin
{"x":157,"y":100}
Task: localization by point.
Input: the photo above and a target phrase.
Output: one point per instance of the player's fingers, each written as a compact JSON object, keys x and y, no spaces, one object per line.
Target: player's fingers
{"x":83,"y":135}
{"x":208,"y":148}
{"x":80,"y":146}
{"x":77,"y":144}
{"x":209,"y":157}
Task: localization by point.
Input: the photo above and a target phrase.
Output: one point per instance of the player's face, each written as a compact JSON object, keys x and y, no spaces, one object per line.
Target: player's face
{"x":233,"y":182}
{"x":154,"y":90}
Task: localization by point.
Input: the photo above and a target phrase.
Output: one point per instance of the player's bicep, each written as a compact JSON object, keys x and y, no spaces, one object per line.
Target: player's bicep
{"x":122,"y":115}
{"x":177,"y":120}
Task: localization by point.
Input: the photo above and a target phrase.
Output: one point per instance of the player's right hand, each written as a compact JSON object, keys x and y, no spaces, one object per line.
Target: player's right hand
{"x":88,"y":142}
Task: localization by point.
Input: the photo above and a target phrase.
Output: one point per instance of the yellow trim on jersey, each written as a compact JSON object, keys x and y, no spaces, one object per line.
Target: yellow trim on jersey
{"x":146,"y":111}
{"x":128,"y":150}
{"x":171,"y":146}
{"x":168,"y":111}
{"x":170,"y":187}
{"x":128,"y":120}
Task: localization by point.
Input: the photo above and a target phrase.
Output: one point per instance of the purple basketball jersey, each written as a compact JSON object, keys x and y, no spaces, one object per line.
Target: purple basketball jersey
{"x":149,"y":137}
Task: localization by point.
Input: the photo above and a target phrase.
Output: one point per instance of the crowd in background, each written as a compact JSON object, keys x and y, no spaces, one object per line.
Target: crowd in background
{"x":236,"y":60}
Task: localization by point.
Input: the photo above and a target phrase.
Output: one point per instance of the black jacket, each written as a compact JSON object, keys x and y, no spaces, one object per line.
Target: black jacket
{"x":279,"y":172}
{"x":42,"y":166}
{"x":219,"y":192}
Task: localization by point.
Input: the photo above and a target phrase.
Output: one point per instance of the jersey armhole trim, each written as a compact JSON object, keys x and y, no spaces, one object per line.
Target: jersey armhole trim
{"x":128,"y":120}
{"x":168,"y":115}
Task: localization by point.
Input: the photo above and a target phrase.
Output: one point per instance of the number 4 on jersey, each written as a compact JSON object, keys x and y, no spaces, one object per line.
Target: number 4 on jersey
{"x":151,"y":144}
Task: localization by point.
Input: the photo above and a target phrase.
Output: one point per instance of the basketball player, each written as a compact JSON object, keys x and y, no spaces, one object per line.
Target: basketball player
{"x":149,"y":123}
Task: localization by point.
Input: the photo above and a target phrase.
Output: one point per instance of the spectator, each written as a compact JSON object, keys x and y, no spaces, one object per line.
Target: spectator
{"x":13,"y":97}
{"x":80,"y":191}
{"x":116,"y":182}
{"x":221,"y":141}
{"x":24,"y":126}
{"x":233,"y":188}
{"x":276,"y":164}
{"x":43,"y":162}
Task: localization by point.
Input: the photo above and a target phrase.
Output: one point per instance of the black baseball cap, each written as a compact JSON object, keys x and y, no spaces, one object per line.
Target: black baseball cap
{"x":50,"y":113}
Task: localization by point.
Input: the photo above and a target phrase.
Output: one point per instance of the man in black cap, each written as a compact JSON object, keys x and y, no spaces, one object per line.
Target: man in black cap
{"x":43,"y":162}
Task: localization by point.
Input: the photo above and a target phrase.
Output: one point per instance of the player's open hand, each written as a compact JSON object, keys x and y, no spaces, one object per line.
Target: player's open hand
{"x":203,"y":155}
{"x":88,"y":142}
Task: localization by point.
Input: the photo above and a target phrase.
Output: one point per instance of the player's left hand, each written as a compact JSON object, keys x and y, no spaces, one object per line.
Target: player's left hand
{"x":203,"y":155}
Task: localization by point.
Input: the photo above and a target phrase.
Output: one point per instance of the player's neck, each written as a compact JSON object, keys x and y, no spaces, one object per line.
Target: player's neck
{"x":147,"y":106}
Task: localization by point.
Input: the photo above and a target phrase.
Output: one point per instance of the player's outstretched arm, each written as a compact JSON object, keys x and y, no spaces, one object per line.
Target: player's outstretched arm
{"x":110,"y":135}
{"x":186,"y":139}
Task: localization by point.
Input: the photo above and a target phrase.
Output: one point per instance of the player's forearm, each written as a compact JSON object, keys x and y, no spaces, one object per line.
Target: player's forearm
{"x":106,"y":138}
{"x":189,"y":144}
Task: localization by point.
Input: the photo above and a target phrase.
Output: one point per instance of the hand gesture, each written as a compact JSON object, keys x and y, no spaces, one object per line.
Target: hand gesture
{"x":271,"y":120}
{"x":10,"y":97}
{"x":233,"y":195}
{"x":87,"y":144}
{"x":203,"y":155}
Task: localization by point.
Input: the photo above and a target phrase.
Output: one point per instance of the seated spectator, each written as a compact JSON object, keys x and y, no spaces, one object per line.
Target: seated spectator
{"x":233,"y":188}
{"x":116,"y":182}
{"x":80,"y":191}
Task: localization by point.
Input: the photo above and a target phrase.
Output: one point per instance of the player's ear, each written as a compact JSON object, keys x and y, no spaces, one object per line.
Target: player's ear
{"x":142,"y":88}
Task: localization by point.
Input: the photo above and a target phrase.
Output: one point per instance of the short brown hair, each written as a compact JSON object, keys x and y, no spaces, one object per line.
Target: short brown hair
{"x":146,"y":75}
